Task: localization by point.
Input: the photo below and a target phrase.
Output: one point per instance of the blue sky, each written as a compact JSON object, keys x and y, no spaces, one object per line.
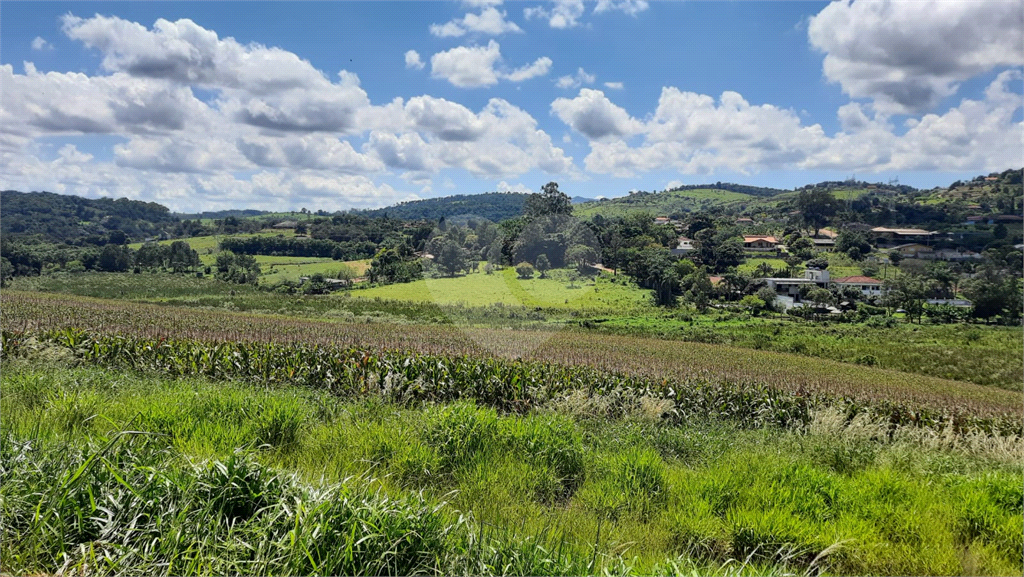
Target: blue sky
{"x":358,"y":104}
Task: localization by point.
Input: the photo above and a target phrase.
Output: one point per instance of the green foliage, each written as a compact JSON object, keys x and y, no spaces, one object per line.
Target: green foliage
{"x":524,"y":270}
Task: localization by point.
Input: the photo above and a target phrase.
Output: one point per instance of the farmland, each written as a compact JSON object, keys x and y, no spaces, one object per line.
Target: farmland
{"x":451,"y":464}
{"x":456,"y":413}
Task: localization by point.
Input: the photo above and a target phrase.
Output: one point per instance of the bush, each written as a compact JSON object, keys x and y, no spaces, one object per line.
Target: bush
{"x":524,"y":270}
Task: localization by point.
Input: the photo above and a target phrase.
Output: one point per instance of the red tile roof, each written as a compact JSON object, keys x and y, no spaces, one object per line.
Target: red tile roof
{"x":857,"y":280}
{"x":758,"y":237}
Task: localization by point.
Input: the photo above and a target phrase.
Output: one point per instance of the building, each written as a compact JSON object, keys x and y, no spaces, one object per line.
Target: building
{"x":744,"y":221}
{"x":760,"y":242}
{"x":790,"y":287}
{"x":915,"y":250}
{"x":897,"y":236}
{"x":868,"y":286}
{"x":684,"y":246}
{"x":823,"y":244}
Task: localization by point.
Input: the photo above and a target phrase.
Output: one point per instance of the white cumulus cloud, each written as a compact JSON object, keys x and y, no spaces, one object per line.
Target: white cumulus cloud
{"x":575,"y":80}
{"x":477,"y":66}
{"x":489,"y":21}
{"x":907,"y":56}
{"x":412,"y":60}
{"x":563,"y":13}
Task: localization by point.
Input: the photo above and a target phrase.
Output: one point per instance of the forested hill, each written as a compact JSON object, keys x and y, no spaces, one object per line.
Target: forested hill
{"x":731,"y":187}
{"x":64,"y":218}
{"x":495,"y":206}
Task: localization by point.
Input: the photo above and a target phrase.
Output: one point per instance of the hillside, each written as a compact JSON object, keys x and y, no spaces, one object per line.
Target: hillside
{"x":495,"y":206}
{"x":64,"y":218}
{"x":662,"y":203}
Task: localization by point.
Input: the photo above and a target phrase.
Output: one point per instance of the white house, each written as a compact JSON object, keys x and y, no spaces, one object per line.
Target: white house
{"x":868,"y":286}
{"x":684,"y":246}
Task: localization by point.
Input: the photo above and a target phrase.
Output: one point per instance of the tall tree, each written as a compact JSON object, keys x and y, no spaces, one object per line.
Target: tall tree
{"x":549,"y":201}
{"x":817,"y":206}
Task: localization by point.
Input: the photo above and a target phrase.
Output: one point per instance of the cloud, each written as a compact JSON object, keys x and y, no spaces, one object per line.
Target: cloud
{"x":272,"y":131}
{"x":489,"y":21}
{"x":594,"y":116}
{"x":540,"y":67}
{"x":614,"y":85}
{"x":40,"y":43}
{"x":697,"y":134}
{"x":265,"y":87}
{"x":412,"y":60}
{"x":501,"y":141}
{"x":575,"y":81}
{"x":631,"y":7}
{"x":518,"y":187}
{"x":476,"y":66}
{"x":907,"y":56}
{"x":564,"y":13}
{"x":467,"y":66}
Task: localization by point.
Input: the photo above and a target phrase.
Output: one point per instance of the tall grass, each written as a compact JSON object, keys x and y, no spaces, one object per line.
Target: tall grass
{"x":364,"y":485}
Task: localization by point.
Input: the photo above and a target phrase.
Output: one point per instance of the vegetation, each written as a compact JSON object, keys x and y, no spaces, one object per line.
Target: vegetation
{"x":364,"y":393}
{"x":230,"y":477}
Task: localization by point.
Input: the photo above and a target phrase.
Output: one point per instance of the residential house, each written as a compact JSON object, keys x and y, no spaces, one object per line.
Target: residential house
{"x":790,"y":287}
{"x":915,"y":250}
{"x":744,"y":221}
{"x":866,"y":285}
{"x":760,"y":243}
{"x":896,"y":236}
{"x":662,"y":220}
{"x":684,"y":246}
{"x":824,"y":244}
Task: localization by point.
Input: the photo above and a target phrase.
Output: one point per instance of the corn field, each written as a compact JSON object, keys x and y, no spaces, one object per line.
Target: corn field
{"x":511,"y":370}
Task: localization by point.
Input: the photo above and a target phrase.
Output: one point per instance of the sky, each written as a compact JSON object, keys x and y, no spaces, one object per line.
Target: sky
{"x":338,"y":105}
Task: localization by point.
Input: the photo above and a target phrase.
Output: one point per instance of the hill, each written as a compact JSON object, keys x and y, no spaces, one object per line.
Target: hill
{"x":662,"y":203}
{"x":54,"y":217}
{"x":495,"y":206}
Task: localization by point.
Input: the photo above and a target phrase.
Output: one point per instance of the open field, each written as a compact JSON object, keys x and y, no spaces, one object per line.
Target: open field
{"x":504,"y":286}
{"x":980,"y":354}
{"x":291,"y":268}
{"x":665,"y":360}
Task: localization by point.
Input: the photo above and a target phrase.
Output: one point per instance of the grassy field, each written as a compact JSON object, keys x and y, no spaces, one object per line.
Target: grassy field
{"x":291,"y":268}
{"x":504,"y":286}
{"x":225,"y":477}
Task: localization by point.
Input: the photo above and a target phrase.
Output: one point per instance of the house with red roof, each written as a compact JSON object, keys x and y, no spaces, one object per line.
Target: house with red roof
{"x":760,"y":242}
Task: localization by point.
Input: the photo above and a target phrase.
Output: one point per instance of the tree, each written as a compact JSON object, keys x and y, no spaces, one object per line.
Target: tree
{"x":697,"y":289}
{"x":752,"y":304}
{"x":768,"y":296}
{"x":524,"y":270}
{"x":817,"y":206}
{"x":451,"y":258}
{"x":6,"y":271}
{"x":908,"y":292}
{"x":182,"y":257}
{"x":581,"y":255}
{"x":895,"y":257}
{"x":848,"y":240}
{"x":346,"y":274}
{"x":993,"y":295}
{"x":114,"y":258}
{"x":543,"y":265}
{"x":549,"y":201}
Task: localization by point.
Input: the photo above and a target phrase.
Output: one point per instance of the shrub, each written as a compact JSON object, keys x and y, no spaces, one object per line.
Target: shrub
{"x":524,"y":270}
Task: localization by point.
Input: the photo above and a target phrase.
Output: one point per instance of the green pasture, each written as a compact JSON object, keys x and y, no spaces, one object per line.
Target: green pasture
{"x":504,"y":286}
